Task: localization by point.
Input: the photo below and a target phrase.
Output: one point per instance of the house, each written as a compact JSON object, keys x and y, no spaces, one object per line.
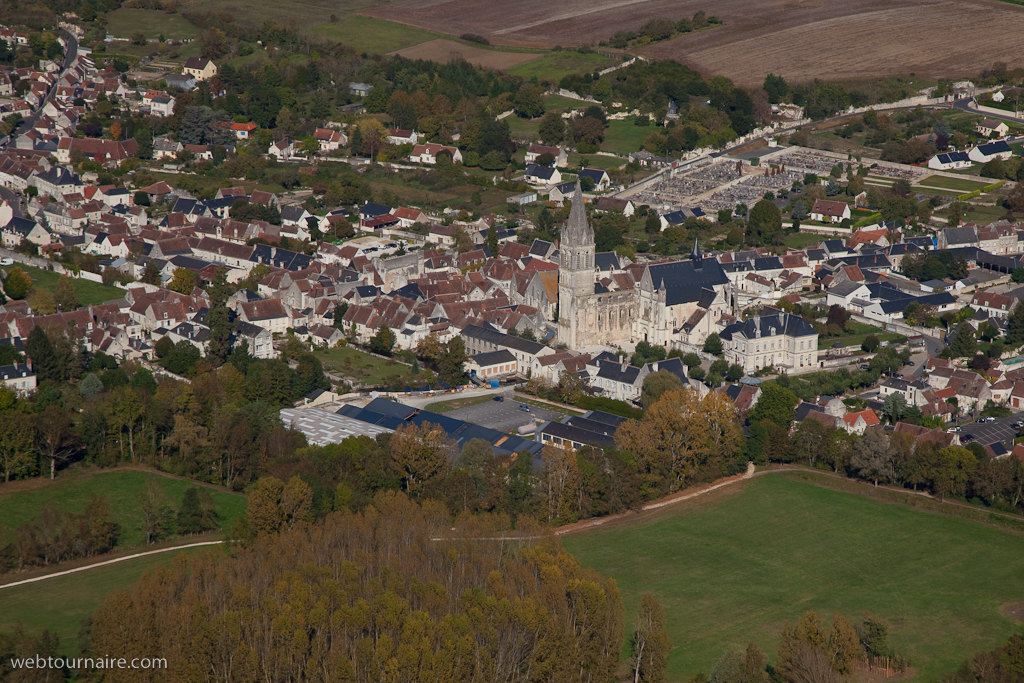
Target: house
{"x":199,"y":68}
{"x":992,"y":128}
{"x":243,"y":131}
{"x":270,"y":314}
{"x":330,"y":140}
{"x":949,"y":161}
{"x":400,"y":136}
{"x":559,"y":155}
{"x":542,"y":175}
{"x":993,"y":150}
{"x":559,"y":193}
{"x":492,"y":365}
{"x":19,"y":229}
{"x":19,"y":378}
{"x":428,"y":153}
{"x":997,"y":305}
{"x":599,"y":177}
{"x":259,"y":340}
{"x":825,"y":211}
{"x":857,"y":423}
{"x":522,"y":199}
{"x":772,"y":338}
{"x":282,"y":149}
{"x":359,"y":89}
{"x":611,"y":204}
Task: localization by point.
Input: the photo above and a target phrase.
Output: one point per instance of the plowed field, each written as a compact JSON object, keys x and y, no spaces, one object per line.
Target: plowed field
{"x":800,"y":39}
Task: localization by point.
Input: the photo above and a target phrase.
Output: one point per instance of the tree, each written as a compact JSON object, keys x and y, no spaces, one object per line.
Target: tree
{"x":420,"y":454}
{"x":713,"y":344}
{"x":528,"y":102}
{"x":41,"y":302}
{"x":183,"y":281}
{"x":156,"y":513}
{"x":812,"y":652}
{"x":449,"y":365}
{"x":40,"y":349}
{"x":1015,"y":200}
{"x":656,"y":384}
{"x":296,"y":501}
{"x":65,"y":298}
{"x":651,"y":643}
{"x":17,"y":284}
{"x":874,"y":456}
{"x":776,"y":88}
{"x":965,"y":344}
{"x":17,"y":439}
{"x":777,"y":404}
{"x":384,"y":341}
{"x":193,"y":518}
{"x":870,"y":344}
{"x":765,"y":224}
{"x":552,"y":128}
{"x":90,"y":385}
{"x":264,"y":511}
{"x":56,"y":436}
{"x":340,"y":309}
{"x":1018,"y":273}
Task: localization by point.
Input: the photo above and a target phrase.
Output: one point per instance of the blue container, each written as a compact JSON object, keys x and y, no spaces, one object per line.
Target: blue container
{"x":494,"y":384}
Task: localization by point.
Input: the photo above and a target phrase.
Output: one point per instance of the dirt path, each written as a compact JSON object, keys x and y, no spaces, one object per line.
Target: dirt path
{"x":106,"y":562}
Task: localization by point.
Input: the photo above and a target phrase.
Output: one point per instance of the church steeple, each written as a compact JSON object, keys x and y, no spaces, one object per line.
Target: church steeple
{"x":578,"y":232}
{"x":695,"y":254}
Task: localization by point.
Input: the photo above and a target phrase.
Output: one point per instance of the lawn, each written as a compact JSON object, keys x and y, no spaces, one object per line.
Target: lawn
{"x":523,"y":128}
{"x":733,"y":569}
{"x":365,"y":368}
{"x":946,"y":183}
{"x":441,"y":407}
{"x":622,"y":137}
{"x":801,"y":240}
{"x":373,"y":35}
{"x":124,"y":22}
{"x":560,"y":102}
{"x":861,"y":330}
{"x":21,"y":501}
{"x":61,"y":604}
{"x":553,"y":67}
{"x":594,"y":161}
{"x":88,"y":293}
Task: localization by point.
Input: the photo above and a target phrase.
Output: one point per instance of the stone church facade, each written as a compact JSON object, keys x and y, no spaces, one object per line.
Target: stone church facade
{"x":674,"y":303}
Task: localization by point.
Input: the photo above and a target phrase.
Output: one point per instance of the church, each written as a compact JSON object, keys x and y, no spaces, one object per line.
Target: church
{"x":672,"y":304}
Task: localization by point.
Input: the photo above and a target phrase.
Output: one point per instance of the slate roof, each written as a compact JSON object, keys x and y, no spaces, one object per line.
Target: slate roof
{"x":770,"y":318}
{"x":684,"y":280}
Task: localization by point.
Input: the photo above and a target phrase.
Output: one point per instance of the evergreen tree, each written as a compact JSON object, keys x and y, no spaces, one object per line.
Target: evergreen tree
{"x":44,"y":359}
{"x":383,"y":341}
{"x":190,"y":514}
{"x":964,"y":343}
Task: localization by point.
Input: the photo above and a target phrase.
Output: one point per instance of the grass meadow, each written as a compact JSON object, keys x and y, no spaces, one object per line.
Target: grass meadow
{"x":88,"y":292}
{"x":60,"y":605}
{"x":733,"y":568}
{"x":22,"y":500}
{"x":124,"y":22}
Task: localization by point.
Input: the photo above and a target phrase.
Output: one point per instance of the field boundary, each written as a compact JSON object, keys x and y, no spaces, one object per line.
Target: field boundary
{"x":107,"y":562}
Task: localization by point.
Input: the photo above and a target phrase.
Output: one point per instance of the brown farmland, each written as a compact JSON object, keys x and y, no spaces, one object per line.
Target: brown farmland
{"x":441,"y":50}
{"x":799,"y":39}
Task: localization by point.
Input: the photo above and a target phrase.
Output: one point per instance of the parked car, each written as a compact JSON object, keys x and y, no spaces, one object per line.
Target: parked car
{"x":6,"y":262}
{"x":1018,"y":424}
{"x":499,"y":399}
{"x":966,"y":438}
{"x":523,"y":407}
{"x":953,"y":430}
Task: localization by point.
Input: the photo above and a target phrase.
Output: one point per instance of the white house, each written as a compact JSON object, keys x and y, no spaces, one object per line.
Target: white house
{"x":600,"y":178}
{"x":949,"y":161}
{"x":400,"y":136}
{"x":282,"y":149}
{"x":199,"y":68}
{"x":989,"y":126}
{"x":330,"y":140}
{"x":428,"y":153}
{"x":559,"y":155}
{"x":543,"y":175}
{"x":993,"y":150}
{"x":825,"y":211}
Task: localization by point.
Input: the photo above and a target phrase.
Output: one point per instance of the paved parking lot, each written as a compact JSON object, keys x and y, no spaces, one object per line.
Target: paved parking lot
{"x":504,"y":416}
{"x":988,"y":432}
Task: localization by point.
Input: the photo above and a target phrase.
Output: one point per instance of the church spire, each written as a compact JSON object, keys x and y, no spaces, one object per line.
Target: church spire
{"x":695,"y":254}
{"x":577,"y":231}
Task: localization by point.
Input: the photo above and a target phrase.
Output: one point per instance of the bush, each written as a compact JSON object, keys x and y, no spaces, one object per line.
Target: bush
{"x":474,"y":38}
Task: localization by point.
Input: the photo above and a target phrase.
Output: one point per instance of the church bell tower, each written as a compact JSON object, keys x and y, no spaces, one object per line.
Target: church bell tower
{"x":575,"y":272}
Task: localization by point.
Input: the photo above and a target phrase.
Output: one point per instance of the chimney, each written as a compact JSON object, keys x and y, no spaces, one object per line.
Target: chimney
{"x":654,"y":366}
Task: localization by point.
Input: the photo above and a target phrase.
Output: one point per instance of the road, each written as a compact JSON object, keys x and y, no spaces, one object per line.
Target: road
{"x":70,"y":53}
{"x":962,"y":105}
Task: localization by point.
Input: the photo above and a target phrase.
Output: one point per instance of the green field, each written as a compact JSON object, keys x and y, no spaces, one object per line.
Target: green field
{"x":801,"y":240}
{"x":945,"y":183}
{"x":561,"y":102}
{"x":373,"y":35}
{"x":123,"y":22}
{"x":622,"y":137}
{"x":59,"y":605}
{"x":553,"y":67}
{"x":366,"y":369}
{"x":21,"y":501}
{"x":733,"y":568}
{"x":88,"y":293}
{"x":594,"y":161}
{"x":861,"y":330}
